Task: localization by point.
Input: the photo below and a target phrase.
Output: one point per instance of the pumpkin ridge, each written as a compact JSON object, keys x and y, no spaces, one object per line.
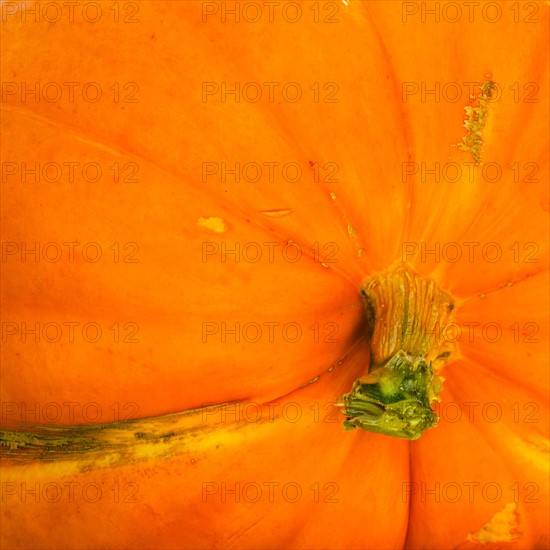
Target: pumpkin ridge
{"x":536,"y":391}
{"x":404,"y":118}
{"x":406,"y":132}
{"x":497,"y":443}
{"x":361,"y":258}
{"x":73,"y":131}
{"x":256,"y":219}
{"x":504,"y":285}
{"x":417,"y":502}
{"x":70,"y":130}
{"x":522,"y":118}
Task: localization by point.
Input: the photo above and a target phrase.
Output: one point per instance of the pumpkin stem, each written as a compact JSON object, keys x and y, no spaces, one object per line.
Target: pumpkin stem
{"x":407,"y":316}
{"x":397,"y":401}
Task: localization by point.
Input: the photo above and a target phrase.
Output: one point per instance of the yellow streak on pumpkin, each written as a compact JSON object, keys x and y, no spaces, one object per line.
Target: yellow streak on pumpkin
{"x":276,"y":213}
{"x":475,"y":122}
{"x":217,"y":225}
{"x":309,"y":382}
{"x":533,"y":449}
{"x":502,"y":527}
{"x":105,"y":445}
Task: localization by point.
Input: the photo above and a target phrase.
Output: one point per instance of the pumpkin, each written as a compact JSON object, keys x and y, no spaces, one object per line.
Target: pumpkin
{"x":205,"y":214}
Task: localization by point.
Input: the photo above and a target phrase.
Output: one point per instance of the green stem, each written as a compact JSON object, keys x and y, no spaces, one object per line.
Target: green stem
{"x":406,"y":316}
{"x":396,"y":399}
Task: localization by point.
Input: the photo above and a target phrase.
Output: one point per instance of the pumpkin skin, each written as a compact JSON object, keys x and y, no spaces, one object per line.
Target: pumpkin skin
{"x":170,"y":292}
